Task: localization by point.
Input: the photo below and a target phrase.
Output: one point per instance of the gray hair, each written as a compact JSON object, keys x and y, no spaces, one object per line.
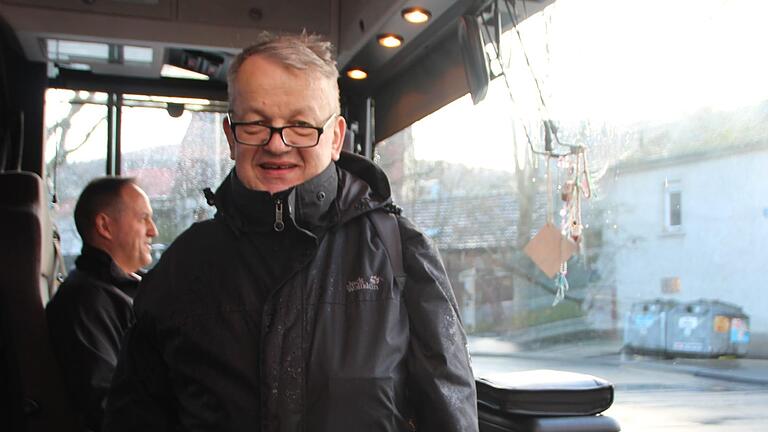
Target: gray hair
{"x":305,"y":52}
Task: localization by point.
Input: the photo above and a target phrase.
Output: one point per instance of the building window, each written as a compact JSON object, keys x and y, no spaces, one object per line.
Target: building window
{"x":673,"y":206}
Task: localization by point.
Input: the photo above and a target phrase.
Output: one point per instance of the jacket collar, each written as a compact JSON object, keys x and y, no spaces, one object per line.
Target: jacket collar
{"x":100,"y":265}
{"x":345,"y":189}
{"x":309,"y":205}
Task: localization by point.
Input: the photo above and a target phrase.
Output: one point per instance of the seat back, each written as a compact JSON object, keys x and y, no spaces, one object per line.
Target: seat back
{"x":34,"y":397}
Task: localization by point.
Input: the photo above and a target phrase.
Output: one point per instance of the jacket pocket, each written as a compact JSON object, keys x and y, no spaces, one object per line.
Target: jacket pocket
{"x":356,"y":404}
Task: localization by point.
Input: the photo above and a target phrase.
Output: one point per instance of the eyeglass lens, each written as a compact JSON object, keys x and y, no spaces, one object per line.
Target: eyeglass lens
{"x":297,"y":136}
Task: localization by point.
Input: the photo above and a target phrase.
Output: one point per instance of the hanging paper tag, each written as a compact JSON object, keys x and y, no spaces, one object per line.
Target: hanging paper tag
{"x":549,"y":248}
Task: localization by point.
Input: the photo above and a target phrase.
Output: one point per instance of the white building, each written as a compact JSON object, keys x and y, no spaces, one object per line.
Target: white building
{"x":692,"y":226}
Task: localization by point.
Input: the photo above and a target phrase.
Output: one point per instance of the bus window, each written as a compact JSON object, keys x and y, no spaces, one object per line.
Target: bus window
{"x":175,"y":148}
{"x":665,"y":295}
{"x":75,"y":152}
{"x":174,"y":156}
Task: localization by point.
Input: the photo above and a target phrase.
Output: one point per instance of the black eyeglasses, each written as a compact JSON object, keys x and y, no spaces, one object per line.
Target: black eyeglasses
{"x":258,"y":134}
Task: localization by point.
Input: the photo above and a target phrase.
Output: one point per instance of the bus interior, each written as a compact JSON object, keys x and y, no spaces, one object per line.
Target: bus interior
{"x":594,"y":173}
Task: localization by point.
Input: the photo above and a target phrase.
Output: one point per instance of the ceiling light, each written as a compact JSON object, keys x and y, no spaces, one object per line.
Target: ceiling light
{"x":357,"y":74}
{"x":76,"y":66}
{"x":416,"y":15}
{"x":390,"y":40}
{"x":170,"y":71}
{"x":66,"y":50}
{"x":137,"y":54}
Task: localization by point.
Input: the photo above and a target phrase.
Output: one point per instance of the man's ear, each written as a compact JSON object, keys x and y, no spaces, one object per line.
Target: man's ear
{"x":339,"y":130}
{"x":103,"y":226}
{"x":230,"y":137}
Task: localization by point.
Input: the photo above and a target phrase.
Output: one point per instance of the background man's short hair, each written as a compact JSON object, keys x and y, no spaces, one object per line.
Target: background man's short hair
{"x":101,"y":194}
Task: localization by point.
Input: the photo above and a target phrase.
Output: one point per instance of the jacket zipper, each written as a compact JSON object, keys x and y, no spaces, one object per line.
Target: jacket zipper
{"x":279,"y":224}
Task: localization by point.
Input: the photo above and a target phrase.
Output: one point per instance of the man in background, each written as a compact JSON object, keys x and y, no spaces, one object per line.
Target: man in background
{"x":92,"y":309}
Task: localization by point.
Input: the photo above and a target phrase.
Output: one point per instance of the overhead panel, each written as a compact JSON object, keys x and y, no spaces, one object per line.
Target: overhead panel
{"x":203,"y":25}
{"x":287,"y":15}
{"x":359,"y":22}
{"x":135,"y":8}
{"x":421,"y":81}
{"x":423,"y":87}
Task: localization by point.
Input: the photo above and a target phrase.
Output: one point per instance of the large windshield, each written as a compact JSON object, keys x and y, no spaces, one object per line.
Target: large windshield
{"x":657,"y":118}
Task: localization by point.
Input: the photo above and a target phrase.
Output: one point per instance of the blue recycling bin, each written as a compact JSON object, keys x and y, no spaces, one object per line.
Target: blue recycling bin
{"x":646,"y":329}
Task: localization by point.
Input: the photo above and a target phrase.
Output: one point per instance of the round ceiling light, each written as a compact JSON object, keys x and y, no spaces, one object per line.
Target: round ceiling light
{"x":416,"y":15}
{"x":390,"y":40}
{"x":357,"y":74}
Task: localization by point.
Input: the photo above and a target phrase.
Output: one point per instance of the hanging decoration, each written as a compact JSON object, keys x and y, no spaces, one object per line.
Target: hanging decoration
{"x":577,"y":185}
{"x":552,"y":247}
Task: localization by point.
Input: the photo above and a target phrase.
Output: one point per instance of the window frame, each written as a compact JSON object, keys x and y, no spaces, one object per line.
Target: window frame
{"x":673,"y":187}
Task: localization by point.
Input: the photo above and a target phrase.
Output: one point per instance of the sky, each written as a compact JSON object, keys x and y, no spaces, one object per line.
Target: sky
{"x":615,"y":62}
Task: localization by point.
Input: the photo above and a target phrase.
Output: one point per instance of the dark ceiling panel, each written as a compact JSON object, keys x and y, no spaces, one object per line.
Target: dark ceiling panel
{"x":426,"y":85}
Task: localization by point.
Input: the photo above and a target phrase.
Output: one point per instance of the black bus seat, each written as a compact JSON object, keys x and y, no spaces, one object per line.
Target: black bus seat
{"x":34,"y":397}
{"x":544,"y":401}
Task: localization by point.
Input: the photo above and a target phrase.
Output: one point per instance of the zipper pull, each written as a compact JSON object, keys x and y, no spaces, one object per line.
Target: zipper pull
{"x":279,"y":225}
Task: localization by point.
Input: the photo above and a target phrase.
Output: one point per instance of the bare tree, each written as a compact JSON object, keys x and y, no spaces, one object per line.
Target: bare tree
{"x":63,"y":127}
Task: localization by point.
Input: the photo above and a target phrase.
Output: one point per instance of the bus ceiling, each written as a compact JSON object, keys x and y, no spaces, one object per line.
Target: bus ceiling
{"x":154,"y":46}
{"x":135,"y":38}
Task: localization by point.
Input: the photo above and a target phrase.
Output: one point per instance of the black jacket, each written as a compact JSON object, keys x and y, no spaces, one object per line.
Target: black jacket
{"x":87,"y":318}
{"x":242,"y":327}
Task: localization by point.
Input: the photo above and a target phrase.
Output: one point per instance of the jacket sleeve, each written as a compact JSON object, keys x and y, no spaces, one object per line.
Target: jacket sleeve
{"x":87,"y":345}
{"x":442,"y":386}
{"x":141,"y":398}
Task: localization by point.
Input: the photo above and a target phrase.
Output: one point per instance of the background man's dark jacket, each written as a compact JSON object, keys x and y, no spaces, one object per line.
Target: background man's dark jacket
{"x":242,"y":327}
{"x":87,"y":319}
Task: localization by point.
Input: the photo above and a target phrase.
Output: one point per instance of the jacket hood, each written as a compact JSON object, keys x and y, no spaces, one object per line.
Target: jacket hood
{"x":347,"y":188}
{"x":363,"y":186}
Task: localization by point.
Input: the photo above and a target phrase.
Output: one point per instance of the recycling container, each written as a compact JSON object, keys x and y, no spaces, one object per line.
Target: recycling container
{"x":646,"y":329}
{"x":707,"y":328}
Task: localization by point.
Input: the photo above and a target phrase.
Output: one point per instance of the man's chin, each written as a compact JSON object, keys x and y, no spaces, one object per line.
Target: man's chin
{"x":274,"y":187}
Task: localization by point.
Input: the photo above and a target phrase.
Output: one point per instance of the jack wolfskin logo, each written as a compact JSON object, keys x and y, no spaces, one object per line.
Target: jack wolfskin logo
{"x":362,"y":284}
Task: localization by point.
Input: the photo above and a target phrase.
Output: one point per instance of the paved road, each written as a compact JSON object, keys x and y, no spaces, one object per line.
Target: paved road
{"x":664,"y":395}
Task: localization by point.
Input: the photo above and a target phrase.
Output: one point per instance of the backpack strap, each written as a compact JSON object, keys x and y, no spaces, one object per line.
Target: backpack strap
{"x":386,"y":225}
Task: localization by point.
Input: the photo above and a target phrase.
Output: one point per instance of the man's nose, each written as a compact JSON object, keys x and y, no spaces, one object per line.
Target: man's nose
{"x":276,"y":144}
{"x":152,"y":229}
